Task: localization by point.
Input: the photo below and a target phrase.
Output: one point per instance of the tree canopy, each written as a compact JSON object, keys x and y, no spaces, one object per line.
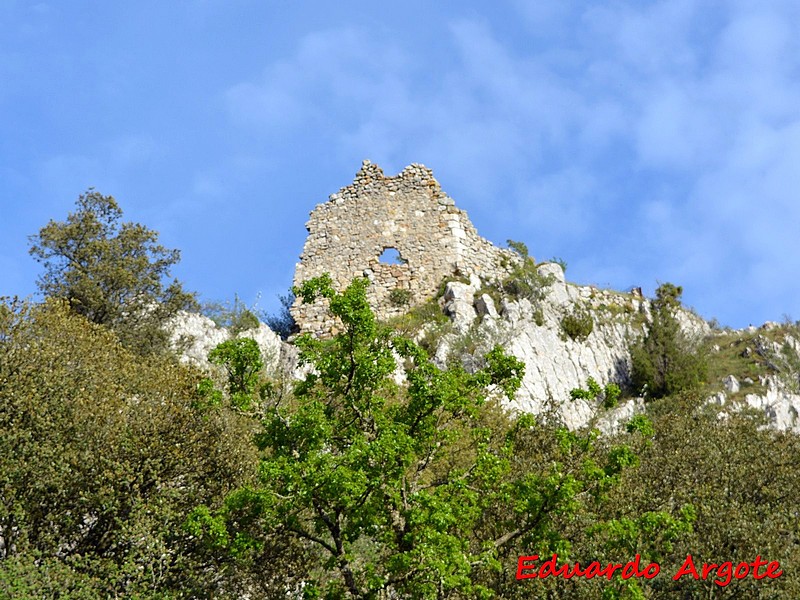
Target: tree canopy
{"x":102,"y":455}
{"x":378,"y":475}
{"x":664,"y":361}
{"x":419,"y":490}
{"x":114,"y":273}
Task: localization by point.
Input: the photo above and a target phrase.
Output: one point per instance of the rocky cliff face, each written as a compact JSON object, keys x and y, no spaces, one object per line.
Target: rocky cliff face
{"x":556,"y":363}
{"x":535,"y":332}
{"x":565,"y":333}
{"x":762,"y":373}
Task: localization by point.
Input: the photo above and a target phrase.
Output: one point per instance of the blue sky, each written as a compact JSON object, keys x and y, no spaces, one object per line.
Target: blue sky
{"x":640,"y":141}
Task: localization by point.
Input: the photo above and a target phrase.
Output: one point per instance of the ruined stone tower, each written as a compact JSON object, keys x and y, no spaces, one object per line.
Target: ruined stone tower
{"x":407,"y":214}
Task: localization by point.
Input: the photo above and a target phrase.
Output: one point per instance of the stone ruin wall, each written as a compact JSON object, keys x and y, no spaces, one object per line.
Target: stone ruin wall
{"x":408,"y":212}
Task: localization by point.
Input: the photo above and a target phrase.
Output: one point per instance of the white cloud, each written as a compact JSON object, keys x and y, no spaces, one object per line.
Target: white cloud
{"x":676,"y":122}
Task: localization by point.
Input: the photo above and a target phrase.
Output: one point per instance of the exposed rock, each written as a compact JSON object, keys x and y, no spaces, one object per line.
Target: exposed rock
{"x":484,"y":306}
{"x":194,"y":336}
{"x":558,"y":291}
{"x":720,"y":398}
{"x":554,"y":364}
{"x":411,"y":214}
{"x":458,"y":304}
{"x":731,"y":384}
{"x":781,"y":408}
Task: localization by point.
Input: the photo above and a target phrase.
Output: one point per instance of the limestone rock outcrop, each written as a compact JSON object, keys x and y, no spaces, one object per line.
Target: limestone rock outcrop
{"x":409,"y":213}
{"x":194,"y":336}
{"x":439,"y":254}
{"x":554,"y":363}
{"x":776,"y":393}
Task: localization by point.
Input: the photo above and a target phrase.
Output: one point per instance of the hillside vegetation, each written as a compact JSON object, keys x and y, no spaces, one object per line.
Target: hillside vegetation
{"x":392,"y":460}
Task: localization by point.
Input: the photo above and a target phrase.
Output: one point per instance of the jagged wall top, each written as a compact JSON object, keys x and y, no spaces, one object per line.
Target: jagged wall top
{"x":409,"y":213}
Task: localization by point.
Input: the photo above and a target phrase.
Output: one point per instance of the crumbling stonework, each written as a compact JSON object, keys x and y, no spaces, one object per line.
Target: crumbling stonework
{"x":408,"y":213}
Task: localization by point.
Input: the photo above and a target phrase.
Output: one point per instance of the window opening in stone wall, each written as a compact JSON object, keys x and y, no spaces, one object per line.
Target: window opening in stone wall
{"x":391,"y":256}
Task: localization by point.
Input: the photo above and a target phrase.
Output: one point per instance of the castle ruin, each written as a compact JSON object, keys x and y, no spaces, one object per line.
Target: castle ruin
{"x":407,"y":215}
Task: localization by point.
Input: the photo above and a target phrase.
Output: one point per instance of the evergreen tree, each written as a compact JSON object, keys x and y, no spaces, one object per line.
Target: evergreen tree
{"x":113,"y":273}
{"x":664,"y":361}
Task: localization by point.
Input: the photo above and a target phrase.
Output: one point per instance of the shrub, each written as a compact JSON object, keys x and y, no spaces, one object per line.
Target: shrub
{"x":235,"y":316}
{"x":520,"y":248}
{"x":525,"y":281}
{"x":283,"y":322}
{"x":609,"y":395}
{"x":103,"y":453}
{"x":560,"y":262}
{"x":400,"y":297}
{"x":243,"y":363}
{"x":577,"y":325}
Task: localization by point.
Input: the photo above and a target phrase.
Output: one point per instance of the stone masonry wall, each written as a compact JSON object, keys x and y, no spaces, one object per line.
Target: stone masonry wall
{"x":409,"y":213}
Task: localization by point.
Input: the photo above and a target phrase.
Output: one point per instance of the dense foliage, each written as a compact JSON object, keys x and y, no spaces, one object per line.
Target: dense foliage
{"x":113,"y":273}
{"x":664,"y":362}
{"x":422,"y":490}
{"x":577,"y":325}
{"x":126,"y":475}
{"x":742,"y":482}
{"x":102,"y":456}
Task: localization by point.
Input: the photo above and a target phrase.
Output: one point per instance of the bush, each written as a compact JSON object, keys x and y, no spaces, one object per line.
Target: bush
{"x":102,"y":455}
{"x":283,"y":322}
{"x":243,"y":363}
{"x":520,"y":248}
{"x":577,"y":325}
{"x":400,"y":297}
{"x":609,"y":395}
{"x":236,"y":316}
{"x":525,"y":281}
{"x":560,"y":262}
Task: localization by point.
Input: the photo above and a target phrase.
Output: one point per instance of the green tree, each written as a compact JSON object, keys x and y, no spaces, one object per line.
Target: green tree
{"x":113,"y":273}
{"x":243,"y":363}
{"x":741,"y":480}
{"x":418,"y":490}
{"x":102,"y":456}
{"x":664,"y":361}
